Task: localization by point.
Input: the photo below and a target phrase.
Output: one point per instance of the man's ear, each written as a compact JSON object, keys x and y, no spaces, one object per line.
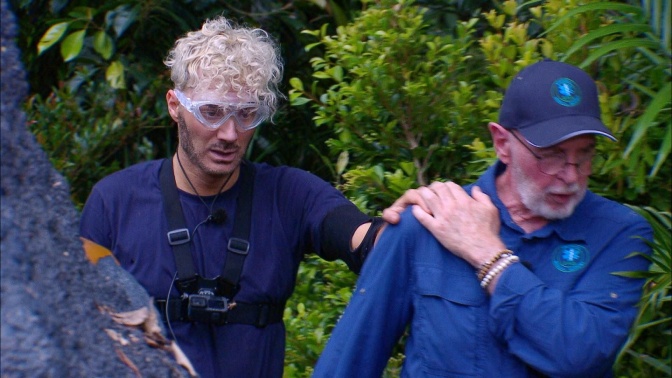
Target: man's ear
{"x":173,"y":104}
{"x":500,"y":141}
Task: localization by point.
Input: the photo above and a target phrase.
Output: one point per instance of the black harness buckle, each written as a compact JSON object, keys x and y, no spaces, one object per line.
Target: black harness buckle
{"x":239,"y":246}
{"x":179,"y":236}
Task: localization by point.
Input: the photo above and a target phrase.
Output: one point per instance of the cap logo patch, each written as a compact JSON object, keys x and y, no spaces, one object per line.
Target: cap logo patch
{"x":566,"y":92}
{"x":570,"y":258}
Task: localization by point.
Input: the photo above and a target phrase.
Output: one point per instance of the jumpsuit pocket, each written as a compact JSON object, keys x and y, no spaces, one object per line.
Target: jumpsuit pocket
{"x":450,"y":320}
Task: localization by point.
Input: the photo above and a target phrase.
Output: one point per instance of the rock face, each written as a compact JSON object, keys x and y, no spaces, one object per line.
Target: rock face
{"x":55,"y":305}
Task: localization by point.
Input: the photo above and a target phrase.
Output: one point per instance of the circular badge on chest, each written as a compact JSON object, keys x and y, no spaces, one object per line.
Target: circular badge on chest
{"x":570,"y":257}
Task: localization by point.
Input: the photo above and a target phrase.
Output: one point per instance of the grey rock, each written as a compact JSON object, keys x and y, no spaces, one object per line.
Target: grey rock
{"x":52,"y":297}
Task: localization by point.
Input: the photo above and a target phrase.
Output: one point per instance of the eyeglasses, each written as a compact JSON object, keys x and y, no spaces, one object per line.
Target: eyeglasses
{"x":213,"y":114}
{"x":556,"y":162}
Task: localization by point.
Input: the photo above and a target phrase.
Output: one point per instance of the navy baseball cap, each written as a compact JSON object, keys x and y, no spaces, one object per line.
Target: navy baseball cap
{"x":549,"y":102}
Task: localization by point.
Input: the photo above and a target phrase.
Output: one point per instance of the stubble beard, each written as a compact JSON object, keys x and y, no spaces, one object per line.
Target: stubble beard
{"x":186,"y":142}
{"x":534,"y":197}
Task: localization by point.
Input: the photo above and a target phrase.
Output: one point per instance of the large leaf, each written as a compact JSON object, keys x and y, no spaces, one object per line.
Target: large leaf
{"x":599,"y":6}
{"x":72,"y":45}
{"x":51,"y":36}
{"x":662,"y":99}
{"x":604,"y":31}
{"x":618,"y":45}
{"x":103,"y":44}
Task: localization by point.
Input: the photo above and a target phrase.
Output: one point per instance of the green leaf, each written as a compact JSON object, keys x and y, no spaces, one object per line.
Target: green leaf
{"x":657,"y":364}
{"x":103,"y":44}
{"x":51,"y":36}
{"x":338,"y":13}
{"x":338,"y":73}
{"x":663,"y":152}
{"x":296,"y":83}
{"x":115,"y":75}
{"x":604,"y":31}
{"x":321,"y":75}
{"x":298,"y":101}
{"x":84,"y":13}
{"x":72,"y":45}
{"x":342,"y":162}
{"x":632,"y":274}
{"x":663,"y":97}
{"x":599,"y":6}
{"x":617,"y":45}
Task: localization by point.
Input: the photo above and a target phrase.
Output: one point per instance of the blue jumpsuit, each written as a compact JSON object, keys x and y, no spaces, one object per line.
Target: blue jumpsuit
{"x":561,"y":312}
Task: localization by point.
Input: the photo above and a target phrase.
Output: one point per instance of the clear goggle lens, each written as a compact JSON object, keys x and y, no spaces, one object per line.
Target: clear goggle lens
{"x":213,"y":114}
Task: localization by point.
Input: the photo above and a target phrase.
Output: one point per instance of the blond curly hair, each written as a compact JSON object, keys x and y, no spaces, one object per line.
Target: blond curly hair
{"x":228,"y":58}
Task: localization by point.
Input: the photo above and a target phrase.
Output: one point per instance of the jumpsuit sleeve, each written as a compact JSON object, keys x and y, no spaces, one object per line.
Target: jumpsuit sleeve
{"x":578,"y":331}
{"x":378,"y":312}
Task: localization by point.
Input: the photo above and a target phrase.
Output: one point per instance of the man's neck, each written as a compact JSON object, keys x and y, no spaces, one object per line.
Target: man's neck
{"x":195,"y":181}
{"x":520,"y":214}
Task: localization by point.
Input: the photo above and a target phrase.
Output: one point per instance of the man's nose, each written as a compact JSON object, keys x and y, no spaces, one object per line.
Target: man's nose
{"x":570,"y":172}
{"x":228,"y":130}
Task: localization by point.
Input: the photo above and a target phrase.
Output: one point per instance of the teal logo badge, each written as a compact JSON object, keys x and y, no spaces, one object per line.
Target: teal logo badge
{"x":570,"y":257}
{"x":566,"y":92}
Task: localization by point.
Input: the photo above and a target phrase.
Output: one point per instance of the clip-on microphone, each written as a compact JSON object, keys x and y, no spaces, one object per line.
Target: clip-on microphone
{"x":218,"y":216}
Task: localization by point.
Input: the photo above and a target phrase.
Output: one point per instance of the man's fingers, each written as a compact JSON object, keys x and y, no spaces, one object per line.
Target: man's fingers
{"x":392,"y":214}
{"x":426,"y":219}
{"x":481,"y":197}
{"x":457,"y":192}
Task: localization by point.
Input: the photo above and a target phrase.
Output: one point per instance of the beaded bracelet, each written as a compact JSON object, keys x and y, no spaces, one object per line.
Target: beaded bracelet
{"x":486,"y":266}
{"x":492,"y":273}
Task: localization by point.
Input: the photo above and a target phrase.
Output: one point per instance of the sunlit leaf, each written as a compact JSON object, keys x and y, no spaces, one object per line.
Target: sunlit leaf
{"x":51,"y":36}
{"x":342,"y":162}
{"x":72,"y":45}
{"x":296,"y":83}
{"x":115,"y":75}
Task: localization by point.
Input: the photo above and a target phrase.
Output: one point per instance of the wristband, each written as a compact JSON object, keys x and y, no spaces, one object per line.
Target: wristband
{"x":492,"y":273}
{"x":487,"y":265}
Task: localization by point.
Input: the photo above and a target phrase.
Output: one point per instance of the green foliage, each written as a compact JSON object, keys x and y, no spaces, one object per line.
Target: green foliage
{"x":402,"y":99}
{"x":85,"y":140}
{"x":322,"y":292}
{"x":318,"y":301}
{"x":94,"y":106}
{"x":104,"y":24}
{"x":647,"y":350}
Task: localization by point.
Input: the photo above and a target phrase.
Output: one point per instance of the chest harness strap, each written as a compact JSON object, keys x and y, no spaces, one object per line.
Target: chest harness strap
{"x":238,"y":247}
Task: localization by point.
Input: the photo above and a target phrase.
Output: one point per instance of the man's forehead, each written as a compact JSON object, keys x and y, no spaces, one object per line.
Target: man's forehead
{"x":215,"y":95}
